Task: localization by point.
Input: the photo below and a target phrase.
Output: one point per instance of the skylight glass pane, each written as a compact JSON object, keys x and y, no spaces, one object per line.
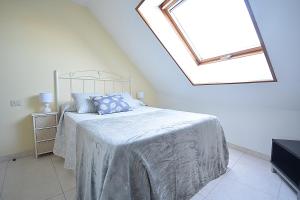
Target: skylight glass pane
{"x":213,"y":28}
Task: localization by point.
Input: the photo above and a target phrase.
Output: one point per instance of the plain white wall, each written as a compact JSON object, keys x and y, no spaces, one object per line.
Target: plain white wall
{"x":251,"y":114}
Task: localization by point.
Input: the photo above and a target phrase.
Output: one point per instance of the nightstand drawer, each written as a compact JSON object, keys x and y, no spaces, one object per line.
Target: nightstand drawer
{"x":45,"y":134}
{"x":45,"y":121}
{"x":45,"y":147}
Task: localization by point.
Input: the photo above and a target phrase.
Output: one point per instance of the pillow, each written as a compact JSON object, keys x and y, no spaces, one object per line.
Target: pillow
{"x":84,"y":103}
{"x":110,"y":104}
{"x":133,"y":103}
{"x":68,"y":107}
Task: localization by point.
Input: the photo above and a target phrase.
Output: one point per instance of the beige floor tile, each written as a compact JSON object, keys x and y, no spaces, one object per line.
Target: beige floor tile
{"x":286,"y":193}
{"x":256,"y":173}
{"x":30,"y":179}
{"x":249,"y":178}
{"x":234,"y":156}
{"x":248,"y":159}
{"x":65,"y":176}
{"x":198,"y":196}
{"x":229,"y":189}
{"x":210,"y":186}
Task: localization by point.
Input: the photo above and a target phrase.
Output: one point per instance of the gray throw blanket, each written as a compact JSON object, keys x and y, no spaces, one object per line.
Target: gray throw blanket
{"x":162,"y":155}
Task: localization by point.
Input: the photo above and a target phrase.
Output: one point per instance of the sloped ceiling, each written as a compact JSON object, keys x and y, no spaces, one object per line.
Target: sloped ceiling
{"x":279,"y":25}
{"x":269,"y":107}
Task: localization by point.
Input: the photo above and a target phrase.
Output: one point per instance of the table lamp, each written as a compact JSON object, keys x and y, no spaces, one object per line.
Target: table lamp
{"x":140,"y":95}
{"x":46,"y":98}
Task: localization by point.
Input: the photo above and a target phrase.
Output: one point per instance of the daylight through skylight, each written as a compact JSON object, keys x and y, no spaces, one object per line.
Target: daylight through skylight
{"x":210,"y":33}
{"x":214,"y":35}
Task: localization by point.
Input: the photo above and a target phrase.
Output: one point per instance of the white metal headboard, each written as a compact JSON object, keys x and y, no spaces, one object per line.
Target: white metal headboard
{"x":94,"y":78}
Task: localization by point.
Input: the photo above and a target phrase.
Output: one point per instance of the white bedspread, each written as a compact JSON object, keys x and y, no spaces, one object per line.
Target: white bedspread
{"x":160,"y":155}
{"x":65,"y":143}
{"x":147,"y":153}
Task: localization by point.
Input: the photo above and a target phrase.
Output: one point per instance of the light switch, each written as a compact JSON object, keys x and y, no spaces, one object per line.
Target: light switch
{"x":16,"y":103}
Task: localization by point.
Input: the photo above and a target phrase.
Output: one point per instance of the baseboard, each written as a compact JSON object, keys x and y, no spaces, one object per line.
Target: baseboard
{"x":233,"y":146}
{"x":249,"y":151}
{"x":17,"y":155}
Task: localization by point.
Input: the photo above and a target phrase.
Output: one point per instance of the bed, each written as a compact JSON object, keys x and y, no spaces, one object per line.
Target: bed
{"x":146,"y":153}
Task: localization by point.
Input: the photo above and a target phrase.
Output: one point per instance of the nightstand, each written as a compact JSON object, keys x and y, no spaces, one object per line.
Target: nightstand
{"x":44,"y":132}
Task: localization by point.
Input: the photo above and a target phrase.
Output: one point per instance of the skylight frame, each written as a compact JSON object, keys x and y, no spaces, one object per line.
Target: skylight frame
{"x":166,"y":8}
{"x":186,"y":73}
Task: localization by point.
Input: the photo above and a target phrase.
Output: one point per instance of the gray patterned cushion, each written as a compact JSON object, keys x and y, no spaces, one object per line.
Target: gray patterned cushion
{"x":132,"y":102}
{"x":110,"y":104}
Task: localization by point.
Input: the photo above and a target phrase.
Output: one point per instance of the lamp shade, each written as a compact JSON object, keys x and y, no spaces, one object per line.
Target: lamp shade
{"x":140,"y":95}
{"x":46,"y":97}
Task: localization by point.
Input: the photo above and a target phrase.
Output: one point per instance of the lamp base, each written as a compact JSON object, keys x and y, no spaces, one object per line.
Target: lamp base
{"x":46,"y":108}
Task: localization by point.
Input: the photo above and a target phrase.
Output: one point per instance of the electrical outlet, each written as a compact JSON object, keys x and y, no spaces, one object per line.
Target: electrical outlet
{"x":16,"y":103}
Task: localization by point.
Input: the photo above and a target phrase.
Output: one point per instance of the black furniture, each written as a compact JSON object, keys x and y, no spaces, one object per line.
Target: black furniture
{"x":285,"y":161}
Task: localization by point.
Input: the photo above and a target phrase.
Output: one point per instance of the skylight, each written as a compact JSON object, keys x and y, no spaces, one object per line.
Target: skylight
{"x":218,"y":36}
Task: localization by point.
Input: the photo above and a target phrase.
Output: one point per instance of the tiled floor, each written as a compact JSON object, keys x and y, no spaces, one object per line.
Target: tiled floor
{"x":36,"y":179}
{"x":248,"y":178}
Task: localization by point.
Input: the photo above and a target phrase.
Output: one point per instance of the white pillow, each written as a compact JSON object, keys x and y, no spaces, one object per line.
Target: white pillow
{"x":68,"y":107}
{"x":133,"y":103}
{"x":83,"y":102}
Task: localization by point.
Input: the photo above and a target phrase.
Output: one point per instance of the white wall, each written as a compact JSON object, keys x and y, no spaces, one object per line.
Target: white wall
{"x":252,"y":114}
{"x":37,"y":37}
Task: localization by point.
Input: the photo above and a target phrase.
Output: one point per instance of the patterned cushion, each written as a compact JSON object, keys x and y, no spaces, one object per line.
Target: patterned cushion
{"x":110,"y":104}
{"x":132,"y":102}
